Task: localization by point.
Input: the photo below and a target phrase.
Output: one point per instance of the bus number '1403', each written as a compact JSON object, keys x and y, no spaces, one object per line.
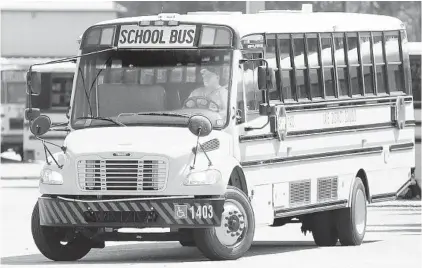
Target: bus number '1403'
{"x":201,"y":212}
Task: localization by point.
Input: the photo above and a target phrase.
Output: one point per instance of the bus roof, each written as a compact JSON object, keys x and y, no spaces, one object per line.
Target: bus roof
{"x":279,"y":22}
{"x":63,"y":67}
{"x":414,"y":48}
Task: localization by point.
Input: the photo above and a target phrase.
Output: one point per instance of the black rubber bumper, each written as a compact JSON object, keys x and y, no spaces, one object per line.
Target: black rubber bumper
{"x":174,"y":212}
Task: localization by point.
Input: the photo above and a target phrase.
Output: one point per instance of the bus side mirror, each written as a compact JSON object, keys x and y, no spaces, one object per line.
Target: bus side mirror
{"x":32,"y":113}
{"x":33,"y":83}
{"x":262,"y":78}
{"x":40,"y":125}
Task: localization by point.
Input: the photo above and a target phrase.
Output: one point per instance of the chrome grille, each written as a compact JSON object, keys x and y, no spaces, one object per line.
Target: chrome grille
{"x":126,"y":175}
{"x":300,"y":193}
{"x":327,"y":189}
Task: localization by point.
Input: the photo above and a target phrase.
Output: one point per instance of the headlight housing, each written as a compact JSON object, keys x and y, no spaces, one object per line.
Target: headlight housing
{"x":206,"y":177}
{"x":49,"y":176}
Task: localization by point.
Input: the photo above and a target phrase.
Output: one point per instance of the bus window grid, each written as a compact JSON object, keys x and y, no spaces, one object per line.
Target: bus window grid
{"x":367,"y":76}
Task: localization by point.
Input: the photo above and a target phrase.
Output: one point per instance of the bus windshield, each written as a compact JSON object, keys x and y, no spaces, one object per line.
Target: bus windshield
{"x":152,"y":87}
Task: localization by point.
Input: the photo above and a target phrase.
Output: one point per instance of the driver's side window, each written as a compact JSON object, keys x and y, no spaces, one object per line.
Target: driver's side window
{"x":254,"y":97}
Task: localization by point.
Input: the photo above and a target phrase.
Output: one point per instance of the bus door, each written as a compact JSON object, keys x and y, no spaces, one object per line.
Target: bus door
{"x":249,"y":98}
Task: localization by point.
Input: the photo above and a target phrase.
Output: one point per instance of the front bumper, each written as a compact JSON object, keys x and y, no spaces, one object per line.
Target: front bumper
{"x":131,"y":212}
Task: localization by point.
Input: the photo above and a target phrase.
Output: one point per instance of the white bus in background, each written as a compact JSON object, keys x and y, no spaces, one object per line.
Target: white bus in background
{"x":415,"y":53}
{"x":316,"y":144}
{"x":54,"y":99}
{"x":13,"y":96}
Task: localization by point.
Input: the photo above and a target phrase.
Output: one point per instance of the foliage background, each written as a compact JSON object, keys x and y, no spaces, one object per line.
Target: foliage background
{"x":407,"y":11}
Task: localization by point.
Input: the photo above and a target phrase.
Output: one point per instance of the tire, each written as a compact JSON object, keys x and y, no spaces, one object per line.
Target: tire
{"x":47,"y":240}
{"x":351,"y":222}
{"x":324,"y":229}
{"x":209,"y":240}
{"x":186,"y":239}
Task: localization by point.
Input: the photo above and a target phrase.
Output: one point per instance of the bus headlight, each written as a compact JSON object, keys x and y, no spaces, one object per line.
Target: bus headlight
{"x":205,"y":177}
{"x":49,"y":176}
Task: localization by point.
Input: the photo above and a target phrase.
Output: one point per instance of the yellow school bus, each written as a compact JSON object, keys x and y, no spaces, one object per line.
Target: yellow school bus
{"x":211,"y":125}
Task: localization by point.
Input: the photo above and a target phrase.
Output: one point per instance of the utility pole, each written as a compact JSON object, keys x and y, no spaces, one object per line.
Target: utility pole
{"x":254,"y":6}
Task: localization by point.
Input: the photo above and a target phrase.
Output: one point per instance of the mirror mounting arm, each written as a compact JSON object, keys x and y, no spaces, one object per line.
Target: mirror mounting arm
{"x":49,"y":152}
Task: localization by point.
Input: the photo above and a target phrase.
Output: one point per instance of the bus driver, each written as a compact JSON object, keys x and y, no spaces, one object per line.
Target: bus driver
{"x":211,"y":91}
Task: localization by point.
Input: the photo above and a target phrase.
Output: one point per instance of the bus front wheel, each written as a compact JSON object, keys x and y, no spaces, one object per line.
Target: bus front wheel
{"x":54,"y":245}
{"x":351,"y":222}
{"x":233,"y":238}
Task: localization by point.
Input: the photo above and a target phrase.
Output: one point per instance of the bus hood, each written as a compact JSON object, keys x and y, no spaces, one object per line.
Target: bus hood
{"x":166,"y":141}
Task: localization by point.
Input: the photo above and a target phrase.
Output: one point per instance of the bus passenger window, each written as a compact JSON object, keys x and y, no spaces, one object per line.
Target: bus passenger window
{"x":286,"y":67}
{"x":327,"y":64}
{"x":355,"y":77}
{"x":342,"y":72}
{"x":299,"y":53}
{"x":61,"y":89}
{"x":415,"y":65}
{"x":395,"y":75}
{"x":365,"y":52}
{"x":379,"y":62}
{"x":314,"y":68}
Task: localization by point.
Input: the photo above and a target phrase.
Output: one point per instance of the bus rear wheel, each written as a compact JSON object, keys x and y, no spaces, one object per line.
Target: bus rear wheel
{"x":233,"y":238}
{"x":54,"y":245}
{"x":351,"y":222}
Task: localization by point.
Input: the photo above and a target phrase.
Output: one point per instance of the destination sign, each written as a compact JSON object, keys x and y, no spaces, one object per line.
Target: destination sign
{"x":134,"y":36}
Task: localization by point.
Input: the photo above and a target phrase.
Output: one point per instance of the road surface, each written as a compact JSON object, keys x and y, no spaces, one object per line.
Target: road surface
{"x":393,"y":239}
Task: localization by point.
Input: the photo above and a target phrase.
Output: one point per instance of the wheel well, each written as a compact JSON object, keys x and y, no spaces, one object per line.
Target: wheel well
{"x":238,"y":180}
{"x":362,"y":175}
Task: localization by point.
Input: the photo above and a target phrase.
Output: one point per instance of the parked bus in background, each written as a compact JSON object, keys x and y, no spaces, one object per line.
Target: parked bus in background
{"x":178,"y":122}
{"x":13,"y":87}
{"x":415,"y":53}
{"x":54,"y":99}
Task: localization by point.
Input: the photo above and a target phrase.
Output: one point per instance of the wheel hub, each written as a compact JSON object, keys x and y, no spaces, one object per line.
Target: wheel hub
{"x":233,"y":224}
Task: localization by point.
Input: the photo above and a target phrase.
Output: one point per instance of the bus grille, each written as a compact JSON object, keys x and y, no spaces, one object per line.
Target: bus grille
{"x":122,"y":175}
{"x":300,"y":193}
{"x":327,"y":189}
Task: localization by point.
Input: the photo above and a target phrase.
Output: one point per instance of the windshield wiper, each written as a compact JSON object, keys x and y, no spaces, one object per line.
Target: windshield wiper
{"x":102,"y":118}
{"x":165,"y":114}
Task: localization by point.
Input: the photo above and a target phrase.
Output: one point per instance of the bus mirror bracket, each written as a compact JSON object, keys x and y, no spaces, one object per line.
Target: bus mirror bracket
{"x":32,"y":113}
{"x":33,"y":83}
{"x":277,"y":119}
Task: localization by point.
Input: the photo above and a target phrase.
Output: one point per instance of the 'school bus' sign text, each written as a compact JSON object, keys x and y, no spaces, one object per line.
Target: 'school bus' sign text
{"x":134,"y":36}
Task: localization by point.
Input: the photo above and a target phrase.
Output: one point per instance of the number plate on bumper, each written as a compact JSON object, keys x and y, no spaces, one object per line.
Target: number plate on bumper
{"x":175,"y":212}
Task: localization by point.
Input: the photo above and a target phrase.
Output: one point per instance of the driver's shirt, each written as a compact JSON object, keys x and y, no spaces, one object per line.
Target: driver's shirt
{"x":219,"y":96}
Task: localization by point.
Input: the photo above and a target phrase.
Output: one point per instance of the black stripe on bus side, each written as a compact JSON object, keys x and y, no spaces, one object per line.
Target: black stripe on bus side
{"x":369,"y":150}
{"x":380,"y":197}
{"x":313,"y":206}
{"x":32,"y":137}
{"x":342,"y":103}
{"x":246,"y":138}
{"x":401,"y":146}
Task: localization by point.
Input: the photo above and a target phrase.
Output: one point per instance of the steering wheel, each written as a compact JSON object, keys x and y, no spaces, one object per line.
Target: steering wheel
{"x":201,"y":102}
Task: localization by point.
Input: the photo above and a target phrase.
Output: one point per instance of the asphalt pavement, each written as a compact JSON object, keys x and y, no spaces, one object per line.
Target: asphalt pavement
{"x":393,"y":239}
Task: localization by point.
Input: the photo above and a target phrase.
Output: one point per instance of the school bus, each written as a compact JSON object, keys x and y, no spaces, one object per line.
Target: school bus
{"x":13,"y":84}
{"x":211,"y":125}
{"x":53,"y":100}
